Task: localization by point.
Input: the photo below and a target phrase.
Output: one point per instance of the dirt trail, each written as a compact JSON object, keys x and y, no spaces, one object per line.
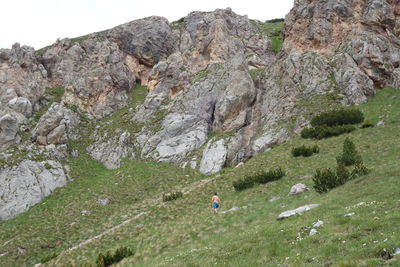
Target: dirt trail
{"x":150,"y":204}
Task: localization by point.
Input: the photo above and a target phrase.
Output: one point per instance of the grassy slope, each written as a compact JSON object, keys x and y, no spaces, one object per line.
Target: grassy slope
{"x":184,"y":232}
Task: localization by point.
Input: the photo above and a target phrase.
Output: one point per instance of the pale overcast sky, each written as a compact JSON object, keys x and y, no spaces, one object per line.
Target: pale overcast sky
{"x":39,"y":23}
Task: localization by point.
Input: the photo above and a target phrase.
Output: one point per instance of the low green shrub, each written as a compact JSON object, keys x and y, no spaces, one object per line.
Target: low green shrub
{"x":262,"y":177}
{"x":349,"y":155}
{"x":338,"y":117}
{"x":244,"y":183}
{"x":324,"y":180}
{"x":305,"y":151}
{"x":321,"y":132}
{"x":367,"y":124}
{"x":172,"y":196}
{"x":359,"y":170}
{"x":104,"y":260}
{"x":327,"y":179}
{"x":269,"y":176}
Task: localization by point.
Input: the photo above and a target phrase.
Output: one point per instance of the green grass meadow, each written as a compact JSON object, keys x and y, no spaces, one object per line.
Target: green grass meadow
{"x":185,"y":232}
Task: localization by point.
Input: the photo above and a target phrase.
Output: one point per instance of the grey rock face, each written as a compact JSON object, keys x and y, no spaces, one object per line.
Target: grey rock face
{"x":149,"y":39}
{"x":21,"y":75}
{"x":113,"y":151}
{"x":298,"y":189}
{"x":358,"y":38}
{"x":298,"y":211}
{"x":21,"y":105}
{"x":95,"y":74}
{"x":55,"y":125}
{"x":8,"y":131}
{"x":269,"y":139}
{"x":25,"y":184}
{"x":214,"y":157}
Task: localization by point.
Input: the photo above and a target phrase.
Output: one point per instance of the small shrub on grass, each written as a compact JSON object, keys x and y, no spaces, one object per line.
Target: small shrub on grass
{"x":172,"y":196}
{"x":367,"y":124}
{"x":320,"y":132}
{"x":259,"y":178}
{"x":104,"y":260}
{"x":304,"y":151}
{"x":350,"y":155}
{"x":244,"y":183}
{"x":359,"y":170}
{"x":324,"y":180}
{"x":271,"y":175}
{"x":338,"y":117}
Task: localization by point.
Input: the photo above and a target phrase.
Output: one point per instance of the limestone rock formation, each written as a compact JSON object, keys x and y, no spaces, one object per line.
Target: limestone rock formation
{"x":214,"y":157}
{"x":8,"y":131}
{"x":21,"y":75}
{"x":359,"y":40}
{"x":93,"y":73}
{"x":25,"y":184}
{"x":298,"y":189}
{"x":297,"y":211}
{"x":55,"y":125}
{"x":111,"y":151}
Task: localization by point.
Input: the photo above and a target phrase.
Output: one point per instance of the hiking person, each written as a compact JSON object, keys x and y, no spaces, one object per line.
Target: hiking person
{"x":215,"y":202}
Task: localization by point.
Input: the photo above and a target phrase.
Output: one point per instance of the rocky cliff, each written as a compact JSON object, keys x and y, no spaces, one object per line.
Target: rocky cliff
{"x":218,"y":91}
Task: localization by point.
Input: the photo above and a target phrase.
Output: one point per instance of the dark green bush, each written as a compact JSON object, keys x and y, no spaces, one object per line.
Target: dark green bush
{"x":244,"y":183}
{"x":327,"y":179}
{"x":320,"y":132}
{"x":172,"y":196}
{"x":324,"y":180}
{"x":350,"y":155}
{"x":271,"y":175}
{"x":338,"y":117}
{"x":367,"y":124}
{"x":304,"y":151}
{"x":104,"y":260}
{"x":262,"y":177}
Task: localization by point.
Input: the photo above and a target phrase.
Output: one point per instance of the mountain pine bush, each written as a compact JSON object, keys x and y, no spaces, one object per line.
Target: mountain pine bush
{"x":350,"y":155}
{"x":321,"y":132}
{"x":259,"y":178}
{"x":338,"y":117}
{"x":304,"y":151}
{"x":104,"y":260}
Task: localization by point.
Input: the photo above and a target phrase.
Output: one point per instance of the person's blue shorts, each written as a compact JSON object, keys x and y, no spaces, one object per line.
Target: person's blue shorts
{"x":216,"y":205}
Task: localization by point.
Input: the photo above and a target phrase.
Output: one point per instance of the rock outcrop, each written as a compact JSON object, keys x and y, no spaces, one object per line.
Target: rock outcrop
{"x":218,"y":94}
{"x":55,"y":125}
{"x":21,"y":75}
{"x":205,"y":86}
{"x":111,"y":151}
{"x":25,"y":184}
{"x":359,"y":40}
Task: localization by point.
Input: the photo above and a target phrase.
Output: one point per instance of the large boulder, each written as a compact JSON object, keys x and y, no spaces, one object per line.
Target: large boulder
{"x":8,"y":131}
{"x":149,"y":40}
{"x":55,"y":125}
{"x":25,"y":184}
{"x":214,"y":157}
